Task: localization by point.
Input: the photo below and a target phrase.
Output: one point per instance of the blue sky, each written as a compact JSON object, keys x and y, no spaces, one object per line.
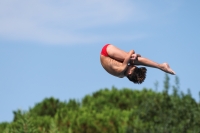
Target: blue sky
{"x":50,"y":48}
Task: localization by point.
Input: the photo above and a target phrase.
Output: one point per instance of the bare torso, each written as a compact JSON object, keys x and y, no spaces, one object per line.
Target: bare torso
{"x":112,"y":66}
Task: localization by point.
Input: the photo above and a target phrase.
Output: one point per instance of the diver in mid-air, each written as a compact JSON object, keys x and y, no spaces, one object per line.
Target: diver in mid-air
{"x":120,"y":64}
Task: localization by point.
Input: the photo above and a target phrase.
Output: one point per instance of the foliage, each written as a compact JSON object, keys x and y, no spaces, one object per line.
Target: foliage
{"x":23,"y":124}
{"x":3,"y":126}
{"x":48,"y":107}
{"x":113,"y":111}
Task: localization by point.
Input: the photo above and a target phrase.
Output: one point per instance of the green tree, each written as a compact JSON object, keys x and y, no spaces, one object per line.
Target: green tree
{"x":113,"y":110}
{"x":48,"y":107}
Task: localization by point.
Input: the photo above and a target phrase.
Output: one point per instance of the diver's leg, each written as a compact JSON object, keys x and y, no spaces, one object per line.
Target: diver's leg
{"x":146,"y":62}
{"x":116,"y":53}
{"x":120,"y":55}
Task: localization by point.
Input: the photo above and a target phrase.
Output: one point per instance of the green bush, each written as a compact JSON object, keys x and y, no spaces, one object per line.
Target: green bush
{"x":113,"y":111}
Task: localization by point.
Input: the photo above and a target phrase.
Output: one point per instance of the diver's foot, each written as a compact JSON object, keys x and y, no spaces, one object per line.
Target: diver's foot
{"x":166,"y":68}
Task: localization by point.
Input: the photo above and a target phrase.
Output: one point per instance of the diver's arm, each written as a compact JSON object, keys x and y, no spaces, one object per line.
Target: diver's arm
{"x":127,"y":58}
{"x":121,"y":68}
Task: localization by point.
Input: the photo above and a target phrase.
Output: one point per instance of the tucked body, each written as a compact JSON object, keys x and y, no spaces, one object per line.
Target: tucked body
{"x":120,"y":63}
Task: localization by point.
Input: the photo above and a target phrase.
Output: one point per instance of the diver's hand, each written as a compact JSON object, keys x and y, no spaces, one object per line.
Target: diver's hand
{"x":134,"y":57}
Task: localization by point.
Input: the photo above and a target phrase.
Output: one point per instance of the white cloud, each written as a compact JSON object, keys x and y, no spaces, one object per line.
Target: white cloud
{"x":75,"y":21}
{"x":61,"y":21}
